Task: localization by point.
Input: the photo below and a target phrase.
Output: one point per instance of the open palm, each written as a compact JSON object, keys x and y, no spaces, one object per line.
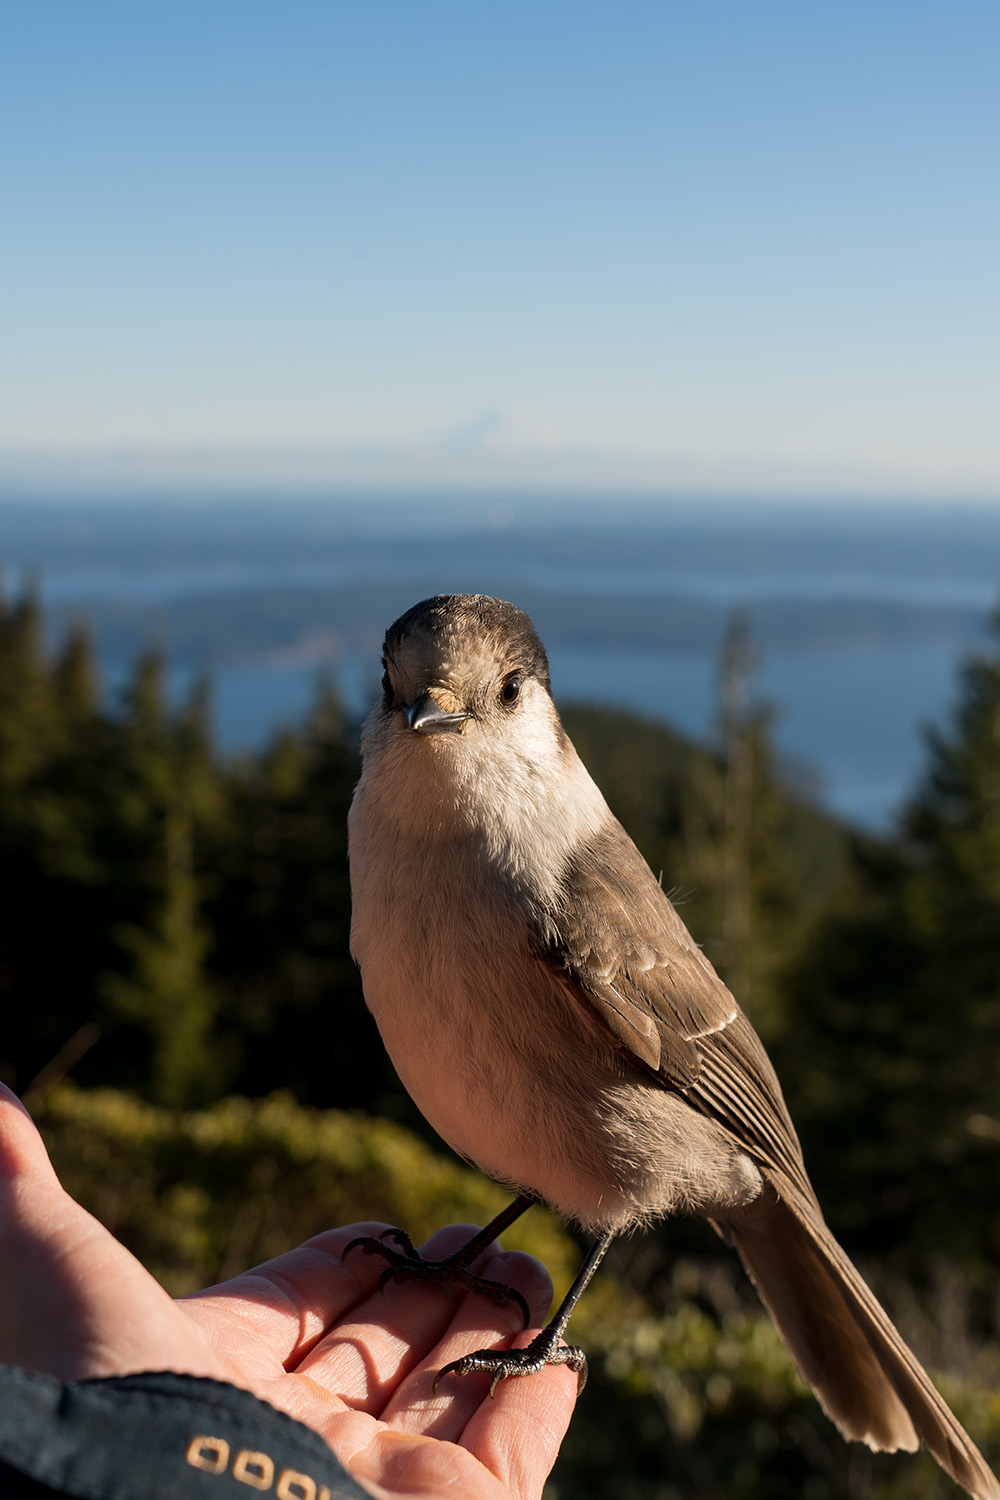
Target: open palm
{"x":308,"y":1332}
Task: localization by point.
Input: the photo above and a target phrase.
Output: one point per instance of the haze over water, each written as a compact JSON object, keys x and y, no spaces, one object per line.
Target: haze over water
{"x":860,"y":615}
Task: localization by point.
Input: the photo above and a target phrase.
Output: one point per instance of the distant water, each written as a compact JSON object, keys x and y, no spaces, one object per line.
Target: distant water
{"x":727,"y":586}
{"x":851,"y":717}
{"x":849,"y":721}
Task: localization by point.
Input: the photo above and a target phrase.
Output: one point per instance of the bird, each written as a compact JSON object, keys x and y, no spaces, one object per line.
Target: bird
{"x":551,"y":1017}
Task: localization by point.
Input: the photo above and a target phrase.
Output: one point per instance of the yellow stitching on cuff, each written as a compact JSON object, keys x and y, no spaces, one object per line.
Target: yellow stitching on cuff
{"x":208,"y":1453}
{"x":254,"y":1469}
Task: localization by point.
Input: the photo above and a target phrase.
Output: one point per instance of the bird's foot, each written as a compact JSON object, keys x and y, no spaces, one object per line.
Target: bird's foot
{"x":544,"y":1349}
{"x":407,"y":1264}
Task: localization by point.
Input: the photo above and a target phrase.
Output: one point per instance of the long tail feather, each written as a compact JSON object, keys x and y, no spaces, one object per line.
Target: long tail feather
{"x":844,"y":1343}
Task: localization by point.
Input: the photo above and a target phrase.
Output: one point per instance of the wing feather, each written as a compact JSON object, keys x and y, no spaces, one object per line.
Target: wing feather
{"x":625,"y":954}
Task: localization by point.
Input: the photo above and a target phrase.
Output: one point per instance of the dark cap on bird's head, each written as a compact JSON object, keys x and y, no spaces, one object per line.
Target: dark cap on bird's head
{"x":451,"y":621}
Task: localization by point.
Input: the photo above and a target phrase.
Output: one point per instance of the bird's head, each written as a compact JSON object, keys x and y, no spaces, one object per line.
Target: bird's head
{"x":462,"y":663}
{"x":466,"y":737}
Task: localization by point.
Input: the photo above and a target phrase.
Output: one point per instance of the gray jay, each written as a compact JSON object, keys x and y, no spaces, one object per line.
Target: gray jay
{"x":555,"y":1023}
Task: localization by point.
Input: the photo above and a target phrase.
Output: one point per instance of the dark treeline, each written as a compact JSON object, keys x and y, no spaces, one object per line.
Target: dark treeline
{"x":174,"y":927}
{"x":178,"y":921}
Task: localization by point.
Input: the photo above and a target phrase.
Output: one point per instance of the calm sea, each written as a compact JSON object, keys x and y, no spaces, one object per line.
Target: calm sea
{"x":849,"y":712}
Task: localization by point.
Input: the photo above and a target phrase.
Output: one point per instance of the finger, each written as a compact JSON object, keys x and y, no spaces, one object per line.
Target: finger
{"x":506,"y":1452}
{"x":517,"y":1434}
{"x":401,"y":1466}
{"x":476,"y":1323}
{"x":76,"y":1304}
{"x":23,"y":1157}
{"x":288,"y":1303}
{"x":363,"y":1359}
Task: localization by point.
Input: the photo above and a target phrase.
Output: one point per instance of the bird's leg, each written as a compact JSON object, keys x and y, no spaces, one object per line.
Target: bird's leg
{"x":406,"y":1263}
{"x":545,"y":1348}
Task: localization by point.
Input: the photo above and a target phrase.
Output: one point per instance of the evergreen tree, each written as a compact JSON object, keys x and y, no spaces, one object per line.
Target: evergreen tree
{"x":894,"y":1064}
{"x":52,"y":926}
{"x":164,"y":993}
{"x":280,"y":913}
{"x":75,"y":679}
{"x":26,"y":709}
{"x":168,"y":796}
{"x":730,"y":820}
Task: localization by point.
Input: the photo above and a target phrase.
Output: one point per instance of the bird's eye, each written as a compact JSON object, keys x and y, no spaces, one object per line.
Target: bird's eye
{"x":386,"y":685}
{"x":510,"y":689}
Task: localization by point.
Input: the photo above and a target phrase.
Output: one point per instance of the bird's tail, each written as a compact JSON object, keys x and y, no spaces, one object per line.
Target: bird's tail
{"x":844,"y":1344}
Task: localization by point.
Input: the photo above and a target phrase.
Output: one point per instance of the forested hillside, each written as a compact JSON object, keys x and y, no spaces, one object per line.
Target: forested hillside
{"x":180,"y":1008}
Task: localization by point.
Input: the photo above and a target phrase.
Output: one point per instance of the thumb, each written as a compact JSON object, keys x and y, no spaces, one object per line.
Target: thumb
{"x":75,"y":1302}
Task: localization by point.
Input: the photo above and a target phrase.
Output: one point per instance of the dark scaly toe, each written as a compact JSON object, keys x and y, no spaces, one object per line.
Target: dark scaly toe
{"x":372,"y":1246}
{"x":407,"y":1264}
{"x":543,"y":1350}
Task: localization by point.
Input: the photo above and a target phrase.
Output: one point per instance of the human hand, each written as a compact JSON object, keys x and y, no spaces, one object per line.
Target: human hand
{"x":306,"y":1331}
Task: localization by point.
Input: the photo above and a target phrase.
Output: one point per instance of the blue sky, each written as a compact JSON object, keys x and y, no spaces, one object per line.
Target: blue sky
{"x":715,"y":243}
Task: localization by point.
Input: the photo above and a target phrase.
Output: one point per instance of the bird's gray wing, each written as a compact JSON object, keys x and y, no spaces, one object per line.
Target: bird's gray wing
{"x":621,"y":948}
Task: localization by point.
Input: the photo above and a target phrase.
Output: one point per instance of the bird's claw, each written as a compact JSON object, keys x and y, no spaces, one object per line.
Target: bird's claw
{"x":499,"y":1363}
{"x":407,"y":1264}
{"x":372,"y":1246}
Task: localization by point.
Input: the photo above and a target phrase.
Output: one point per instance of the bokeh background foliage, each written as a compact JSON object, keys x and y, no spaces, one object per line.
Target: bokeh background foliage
{"x":181,"y":1012}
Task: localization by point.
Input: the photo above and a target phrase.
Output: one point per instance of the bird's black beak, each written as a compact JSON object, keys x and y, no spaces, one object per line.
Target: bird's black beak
{"x":426,"y":716}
